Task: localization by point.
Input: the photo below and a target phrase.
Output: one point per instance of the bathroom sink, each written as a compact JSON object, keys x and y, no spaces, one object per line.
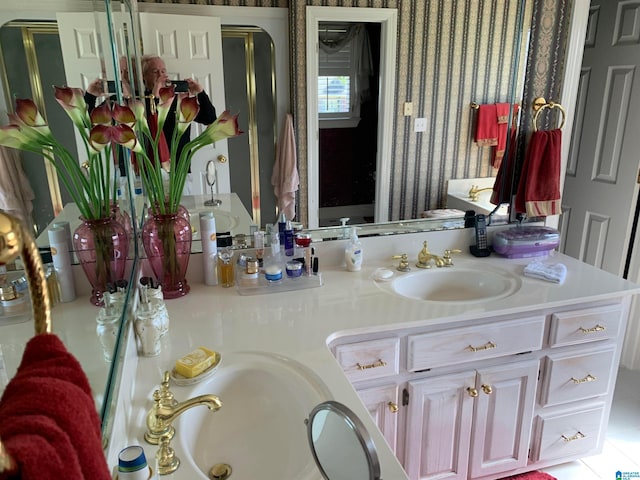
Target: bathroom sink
{"x":457,"y":284}
{"x":260,"y":430}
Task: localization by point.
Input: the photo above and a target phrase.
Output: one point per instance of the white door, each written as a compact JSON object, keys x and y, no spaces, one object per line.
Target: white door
{"x":82,"y":54}
{"x":600,"y":186}
{"x":191,"y":46}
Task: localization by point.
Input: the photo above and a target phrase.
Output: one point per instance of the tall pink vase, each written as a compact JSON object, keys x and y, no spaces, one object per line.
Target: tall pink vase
{"x":102,"y":248}
{"x":166,"y":239}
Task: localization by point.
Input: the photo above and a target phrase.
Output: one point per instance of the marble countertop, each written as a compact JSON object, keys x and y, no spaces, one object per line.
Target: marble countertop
{"x":300,"y":325}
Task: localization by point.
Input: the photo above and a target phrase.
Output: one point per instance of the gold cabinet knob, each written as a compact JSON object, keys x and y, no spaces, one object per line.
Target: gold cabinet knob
{"x":487,"y":389}
{"x":473,"y":392}
{"x":222,"y":159}
{"x":393,"y":407}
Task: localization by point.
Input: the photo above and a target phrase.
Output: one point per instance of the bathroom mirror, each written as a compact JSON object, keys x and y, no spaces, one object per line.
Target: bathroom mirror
{"x":340,"y":443}
{"x":32,"y":51}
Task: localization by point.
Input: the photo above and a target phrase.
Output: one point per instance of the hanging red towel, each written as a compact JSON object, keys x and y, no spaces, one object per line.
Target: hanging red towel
{"x":502,"y":113}
{"x":48,"y":419}
{"x":502,"y":191}
{"x":487,"y":126}
{"x":538,"y":192}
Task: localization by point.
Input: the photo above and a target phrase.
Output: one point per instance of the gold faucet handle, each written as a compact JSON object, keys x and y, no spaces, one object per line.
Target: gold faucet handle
{"x":403,"y":266}
{"x":167,"y":398}
{"x":448,"y":262}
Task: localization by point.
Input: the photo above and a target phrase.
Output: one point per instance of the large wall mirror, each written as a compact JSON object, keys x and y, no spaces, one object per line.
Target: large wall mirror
{"x":33,"y":59}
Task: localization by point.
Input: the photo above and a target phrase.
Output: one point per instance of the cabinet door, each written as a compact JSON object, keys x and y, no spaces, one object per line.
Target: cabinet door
{"x":438,"y":427}
{"x":382,"y":403}
{"x":503,"y":417}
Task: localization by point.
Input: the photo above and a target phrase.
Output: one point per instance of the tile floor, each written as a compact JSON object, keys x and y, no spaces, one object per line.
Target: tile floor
{"x":622,"y":447}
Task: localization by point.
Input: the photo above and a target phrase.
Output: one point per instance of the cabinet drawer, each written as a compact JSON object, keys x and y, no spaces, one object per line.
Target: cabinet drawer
{"x":568,"y":434}
{"x":470,"y":344}
{"x":588,"y":325}
{"x":369,"y":359}
{"x":576,"y":376}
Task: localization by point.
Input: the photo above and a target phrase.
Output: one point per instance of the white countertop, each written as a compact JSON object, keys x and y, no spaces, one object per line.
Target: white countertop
{"x":300,"y":324}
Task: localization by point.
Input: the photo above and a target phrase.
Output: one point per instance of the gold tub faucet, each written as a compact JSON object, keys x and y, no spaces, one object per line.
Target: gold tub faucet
{"x":474,"y":192}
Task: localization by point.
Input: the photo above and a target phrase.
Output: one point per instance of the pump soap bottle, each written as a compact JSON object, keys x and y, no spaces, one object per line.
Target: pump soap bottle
{"x":353,"y":253}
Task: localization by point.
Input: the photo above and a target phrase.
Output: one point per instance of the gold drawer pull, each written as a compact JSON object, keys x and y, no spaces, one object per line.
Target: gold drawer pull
{"x":379,"y":363}
{"x":487,"y":389}
{"x":486,"y":346}
{"x":473,"y":392}
{"x":588,"y":378}
{"x":393,"y":407}
{"x":597,"y":328}
{"x":577,"y":436}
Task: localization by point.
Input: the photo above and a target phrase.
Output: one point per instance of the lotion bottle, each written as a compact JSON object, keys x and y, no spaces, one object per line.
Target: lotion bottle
{"x":353,"y":253}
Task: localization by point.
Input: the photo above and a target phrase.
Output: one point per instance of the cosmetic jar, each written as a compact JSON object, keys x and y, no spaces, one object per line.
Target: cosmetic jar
{"x":273,"y":273}
{"x":294,"y":269}
{"x":303,"y":239}
{"x":252,"y":266}
{"x":12,"y":301}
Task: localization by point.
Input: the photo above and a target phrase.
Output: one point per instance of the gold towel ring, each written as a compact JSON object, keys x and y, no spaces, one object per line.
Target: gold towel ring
{"x":540,"y":107}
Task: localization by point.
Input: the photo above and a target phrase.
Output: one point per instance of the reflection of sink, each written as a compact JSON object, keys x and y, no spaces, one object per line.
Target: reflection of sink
{"x":259,"y":431}
{"x":457,"y":284}
{"x":225,"y":222}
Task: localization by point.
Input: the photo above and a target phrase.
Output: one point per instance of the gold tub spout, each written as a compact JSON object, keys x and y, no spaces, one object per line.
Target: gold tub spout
{"x":474,"y":192}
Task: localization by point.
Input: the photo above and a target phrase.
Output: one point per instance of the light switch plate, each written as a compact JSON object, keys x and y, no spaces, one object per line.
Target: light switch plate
{"x":420,"y":125}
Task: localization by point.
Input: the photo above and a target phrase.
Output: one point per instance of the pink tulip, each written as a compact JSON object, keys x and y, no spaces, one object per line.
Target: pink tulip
{"x":166,"y":96}
{"x":124,"y":115}
{"x":28,"y":113}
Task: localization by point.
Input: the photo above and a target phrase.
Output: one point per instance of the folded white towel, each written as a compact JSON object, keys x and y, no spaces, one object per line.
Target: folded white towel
{"x":555,"y":272}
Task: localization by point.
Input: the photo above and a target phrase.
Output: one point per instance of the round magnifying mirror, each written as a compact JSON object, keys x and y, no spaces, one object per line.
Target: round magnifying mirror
{"x":340,"y":443}
{"x":210,"y":177}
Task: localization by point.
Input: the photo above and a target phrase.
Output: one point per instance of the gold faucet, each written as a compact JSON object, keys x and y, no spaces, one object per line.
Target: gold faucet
{"x":166,"y":409}
{"x":474,"y":192}
{"x":160,"y":419}
{"x":425,"y":258}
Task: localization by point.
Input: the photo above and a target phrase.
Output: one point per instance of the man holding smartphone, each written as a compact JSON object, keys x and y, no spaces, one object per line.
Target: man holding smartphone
{"x":154,"y":75}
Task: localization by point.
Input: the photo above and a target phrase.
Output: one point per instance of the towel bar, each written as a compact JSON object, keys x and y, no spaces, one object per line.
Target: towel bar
{"x":16,"y":240}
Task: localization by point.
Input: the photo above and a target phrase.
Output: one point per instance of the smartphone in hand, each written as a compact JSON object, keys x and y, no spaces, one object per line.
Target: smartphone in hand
{"x":180,"y":85}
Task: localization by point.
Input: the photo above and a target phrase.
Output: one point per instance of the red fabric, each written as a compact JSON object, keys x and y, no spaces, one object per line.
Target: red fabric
{"x":48,"y":419}
{"x":502,"y":114}
{"x":538,"y":192}
{"x":505,"y":170}
{"x":535,"y":475}
{"x":163,"y":147}
{"x":487,"y":126}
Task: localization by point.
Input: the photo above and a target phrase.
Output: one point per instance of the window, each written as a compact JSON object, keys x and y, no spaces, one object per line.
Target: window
{"x":337,"y":72}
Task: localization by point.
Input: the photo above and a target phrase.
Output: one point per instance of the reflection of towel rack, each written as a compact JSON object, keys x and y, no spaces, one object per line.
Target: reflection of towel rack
{"x":539,"y":104}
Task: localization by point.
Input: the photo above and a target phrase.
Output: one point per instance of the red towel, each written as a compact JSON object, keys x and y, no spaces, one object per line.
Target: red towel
{"x":48,"y":419}
{"x":502,"y":113}
{"x":538,"y":192}
{"x":487,"y":126}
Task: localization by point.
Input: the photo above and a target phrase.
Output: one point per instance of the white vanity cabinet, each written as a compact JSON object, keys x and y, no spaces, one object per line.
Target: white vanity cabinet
{"x":487,"y":398}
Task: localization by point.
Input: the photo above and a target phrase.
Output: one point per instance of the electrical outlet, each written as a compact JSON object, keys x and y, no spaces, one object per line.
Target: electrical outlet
{"x":408,"y":109}
{"x":420,"y":125}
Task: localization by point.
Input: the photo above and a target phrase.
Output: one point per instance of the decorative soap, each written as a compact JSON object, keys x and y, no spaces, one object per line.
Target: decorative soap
{"x":196,"y":362}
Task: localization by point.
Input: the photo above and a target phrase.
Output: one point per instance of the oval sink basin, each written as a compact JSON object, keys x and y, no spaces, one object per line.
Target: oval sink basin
{"x":457,"y":284}
{"x":260,"y":430}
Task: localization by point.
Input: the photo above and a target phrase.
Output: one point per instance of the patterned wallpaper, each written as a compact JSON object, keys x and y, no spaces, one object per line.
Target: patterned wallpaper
{"x":450,"y":53}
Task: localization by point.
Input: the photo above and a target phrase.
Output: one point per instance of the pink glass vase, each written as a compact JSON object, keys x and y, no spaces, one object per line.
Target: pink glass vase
{"x":102,"y":248}
{"x":166,"y":239}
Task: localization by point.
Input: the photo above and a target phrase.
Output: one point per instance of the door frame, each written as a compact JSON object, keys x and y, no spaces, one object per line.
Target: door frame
{"x":388,"y":20}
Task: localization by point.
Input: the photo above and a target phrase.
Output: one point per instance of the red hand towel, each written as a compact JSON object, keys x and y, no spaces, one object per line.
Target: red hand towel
{"x":487,"y":126}
{"x":539,"y":188}
{"x":502,"y":113}
{"x":48,"y":419}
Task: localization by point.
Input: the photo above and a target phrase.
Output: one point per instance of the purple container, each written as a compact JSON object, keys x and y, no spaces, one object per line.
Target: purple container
{"x":527,"y":241}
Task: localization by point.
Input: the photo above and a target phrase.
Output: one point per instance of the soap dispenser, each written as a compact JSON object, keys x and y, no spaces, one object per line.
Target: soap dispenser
{"x":353,"y":253}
